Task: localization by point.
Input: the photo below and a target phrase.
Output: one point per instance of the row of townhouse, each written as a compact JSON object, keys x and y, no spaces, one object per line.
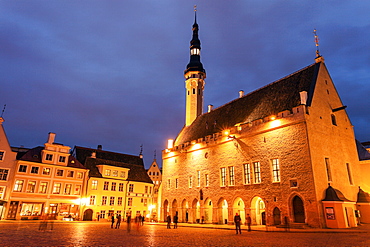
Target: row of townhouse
{"x":85,"y":184}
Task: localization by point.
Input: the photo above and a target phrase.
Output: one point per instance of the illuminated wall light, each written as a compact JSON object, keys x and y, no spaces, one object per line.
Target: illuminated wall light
{"x":272,"y":118}
{"x":170,"y":143}
{"x":275,"y":123}
{"x":196,"y":146}
{"x":226,"y":132}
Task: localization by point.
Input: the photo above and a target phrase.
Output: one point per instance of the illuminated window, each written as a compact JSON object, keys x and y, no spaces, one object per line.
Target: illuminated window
{"x":231,"y":176}
{"x":223,"y":176}
{"x":198,"y":178}
{"x":328,"y":170}
{"x":2,"y":192}
{"x":107,"y":172}
{"x":190,"y":181}
{"x":257,"y":172}
{"x":31,"y":186}
{"x":194,"y":51}
{"x":206,"y":178}
{"x":115,"y":173}
{"x":104,"y":200}
{"x":18,"y":186}
{"x":67,"y":189}
{"x":122,"y":174}
{"x":119,"y":201}
{"x":129,"y":202}
{"x":60,"y":172}
{"x":247,"y":173}
{"x":22,"y":168}
{"x":92,"y":200}
{"x":56,"y":188}
{"x":106,"y":185}
{"x":77,"y":189}
{"x":120,"y":187}
{"x":35,"y":170}
{"x":349,"y":174}
{"x":4,"y":174}
{"x":113,"y":187}
{"x":46,"y":171}
{"x":275,"y":170}
{"x":131,"y":188}
{"x":43,"y":187}
{"x":70,"y":174}
{"x":111,"y":201}
{"x":79,"y":175}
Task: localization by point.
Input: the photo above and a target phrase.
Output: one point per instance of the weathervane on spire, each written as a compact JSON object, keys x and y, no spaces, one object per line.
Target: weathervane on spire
{"x":316,"y":43}
{"x":195,"y":8}
{"x":3,"y":111}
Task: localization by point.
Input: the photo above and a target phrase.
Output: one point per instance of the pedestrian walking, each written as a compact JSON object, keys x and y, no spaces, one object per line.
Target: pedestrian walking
{"x":128,"y":223}
{"x":248,"y":221}
{"x":43,"y":223}
{"x":168,"y":221}
{"x":118,"y":223}
{"x":142,"y":220}
{"x":237,"y":221}
{"x":175,"y":220}
{"x":111,"y":226}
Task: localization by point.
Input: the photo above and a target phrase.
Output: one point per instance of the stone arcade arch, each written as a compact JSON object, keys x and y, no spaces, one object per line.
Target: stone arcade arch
{"x":222,"y":211}
{"x":195,"y":211}
{"x":239,"y":207}
{"x":88,"y":214}
{"x":174,"y":207}
{"x":185,"y":211}
{"x":166,"y":210}
{"x":208,"y":211}
{"x":298,"y":210}
{"x":277,"y":216}
{"x":258,"y":211}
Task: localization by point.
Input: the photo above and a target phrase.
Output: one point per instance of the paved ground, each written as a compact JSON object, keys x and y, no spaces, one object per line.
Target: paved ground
{"x":20,"y":233}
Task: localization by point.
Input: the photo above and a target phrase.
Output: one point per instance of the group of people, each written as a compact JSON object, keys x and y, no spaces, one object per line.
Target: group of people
{"x":238,"y":220}
{"x":118,"y":221}
{"x":139,"y":220}
{"x":175,"y":221}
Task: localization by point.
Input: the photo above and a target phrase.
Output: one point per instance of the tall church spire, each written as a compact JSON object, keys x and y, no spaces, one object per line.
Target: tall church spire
{"x":194,"y":78}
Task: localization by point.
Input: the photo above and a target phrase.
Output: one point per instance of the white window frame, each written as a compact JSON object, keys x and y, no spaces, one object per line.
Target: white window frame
{"x":275,"y":166}
{"x":257,"y":172}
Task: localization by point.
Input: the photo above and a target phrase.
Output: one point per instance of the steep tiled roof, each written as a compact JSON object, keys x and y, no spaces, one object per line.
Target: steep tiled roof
{"x":134,"y":163}
{"x":34,"y":155}
{"x":276,"y":97}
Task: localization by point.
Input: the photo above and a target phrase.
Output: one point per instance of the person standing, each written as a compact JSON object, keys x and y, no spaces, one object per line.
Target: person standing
{"x":248,"y":221}
{"x":168,"y":221}
{"x":175,"y":220}
{"x":118,"y":223}
{"x":128,"y":221}
{"x":237,"y":221}
{"x":111,"y":226}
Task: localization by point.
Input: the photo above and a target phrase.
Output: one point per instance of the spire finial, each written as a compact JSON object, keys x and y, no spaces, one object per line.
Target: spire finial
{"x":141,"y":151}
{"x":316,"y":43}
{"x":195,"y":13}
{"x":3,"y":111}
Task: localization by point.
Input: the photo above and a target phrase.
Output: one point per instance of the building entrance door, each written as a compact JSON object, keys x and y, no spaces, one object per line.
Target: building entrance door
{"x":13,"y":207}
{"x":298,"y":209}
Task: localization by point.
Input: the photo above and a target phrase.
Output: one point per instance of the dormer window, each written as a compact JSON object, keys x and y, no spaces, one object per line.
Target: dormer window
{"x":62,"y":159}
{"x":49,"y":157}
{"x":195,"y":51}
{"x":107,"y":172}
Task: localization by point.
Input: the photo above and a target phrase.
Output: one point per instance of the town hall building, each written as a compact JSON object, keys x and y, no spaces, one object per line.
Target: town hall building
{"x":283,"y":153}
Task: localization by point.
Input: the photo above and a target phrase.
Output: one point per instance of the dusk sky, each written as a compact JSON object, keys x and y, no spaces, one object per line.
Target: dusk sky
{"x":111,"y":72}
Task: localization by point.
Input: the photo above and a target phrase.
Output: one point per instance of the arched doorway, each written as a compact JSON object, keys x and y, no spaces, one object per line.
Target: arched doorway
{"x":276,"y":215}
{"x":258,"y":214}
{"x":208,"y":211}
{"x":166,"y":210}
{"x":174,"y":207}
{"x":298,"y":210}
{"x":238,"y":207}
{"x":222,"y":211}
{"x":185,"y":211}
{"x":88,"y":214}
{"x":196,"y":211}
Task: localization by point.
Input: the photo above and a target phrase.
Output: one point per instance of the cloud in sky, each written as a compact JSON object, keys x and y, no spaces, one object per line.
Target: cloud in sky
{"x":111,"y":72}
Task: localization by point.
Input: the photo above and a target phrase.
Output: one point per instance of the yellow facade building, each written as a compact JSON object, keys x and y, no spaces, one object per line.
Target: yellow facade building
{"x":117,"y":185}
{"x":285,"y":153}
{"x":155,"y":174}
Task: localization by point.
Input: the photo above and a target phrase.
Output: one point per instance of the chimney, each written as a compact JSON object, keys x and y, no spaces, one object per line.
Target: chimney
{"x":210,"y":108}
{"x":100,"y":147}
{"x":241,"y":93}
{"x":304,"y":97}
{"x":51,"y":138}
